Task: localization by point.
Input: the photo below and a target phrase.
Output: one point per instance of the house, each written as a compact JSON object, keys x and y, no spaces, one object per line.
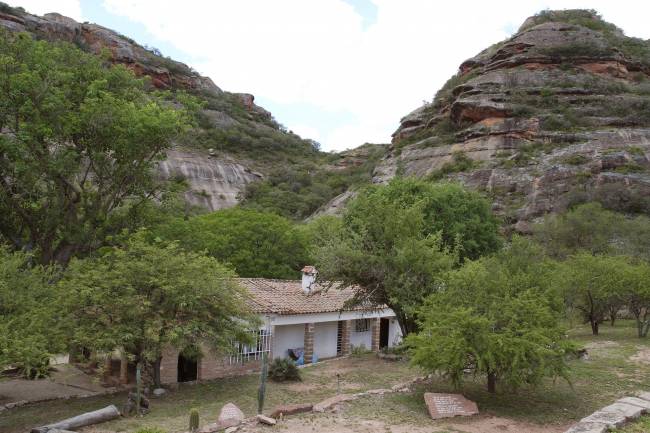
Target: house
{"x":301,"y":316}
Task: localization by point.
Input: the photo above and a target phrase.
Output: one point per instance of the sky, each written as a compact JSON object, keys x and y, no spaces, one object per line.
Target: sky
{"x":341,"y":72}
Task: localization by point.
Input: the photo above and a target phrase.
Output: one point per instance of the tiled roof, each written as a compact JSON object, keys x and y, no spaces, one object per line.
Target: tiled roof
{"x":288,"y":297}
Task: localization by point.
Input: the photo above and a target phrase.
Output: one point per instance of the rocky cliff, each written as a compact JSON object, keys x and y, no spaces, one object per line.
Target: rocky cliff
{"x":559,"y":113}
{"x":210,"y":159}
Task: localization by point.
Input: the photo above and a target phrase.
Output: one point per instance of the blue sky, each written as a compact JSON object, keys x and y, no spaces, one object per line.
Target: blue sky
{"x":342,"y":72}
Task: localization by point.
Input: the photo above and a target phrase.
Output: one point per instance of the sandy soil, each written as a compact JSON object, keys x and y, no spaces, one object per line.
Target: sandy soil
{"x":329,"y":423}
{"x":642,"y":356}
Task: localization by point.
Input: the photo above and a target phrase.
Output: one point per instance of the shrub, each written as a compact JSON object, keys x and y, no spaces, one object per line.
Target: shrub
{"x":575,"y":159}
{"x":284,"y":369}
{"x":360,"y":350}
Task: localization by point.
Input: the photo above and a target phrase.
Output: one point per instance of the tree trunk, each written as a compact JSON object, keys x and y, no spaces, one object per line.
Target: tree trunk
{"x":156,"y":372}
{"x":492,"y":382}
{"x":89,"y":418}
{"x":612,"y":318}
{"x":594,"y":327}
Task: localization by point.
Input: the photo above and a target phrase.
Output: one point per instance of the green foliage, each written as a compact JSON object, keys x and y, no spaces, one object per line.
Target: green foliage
{"x":397,"y":240}
{"x":80,"y":142}
{"x":594,"y":285}
{"x":575,"y":159}
{"x":255,"y":244}
{"x":460,"y":162}
{"x":30,"y":331}
{"x":496,"y":317}
{"x":142,"y":296}
{"x":297,"y":192}
{"x":283,"y":370}
{"x":194,"y":420}
{"x":590,"y":227}
{"x":360,"y":350}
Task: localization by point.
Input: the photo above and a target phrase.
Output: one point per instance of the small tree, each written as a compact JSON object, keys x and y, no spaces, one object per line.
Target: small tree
{"x":594,"y":285}
{"x":30,"y":331}
{"x":637,"y":295}
{"x":143,"y":296}
{"x":494,"y":317}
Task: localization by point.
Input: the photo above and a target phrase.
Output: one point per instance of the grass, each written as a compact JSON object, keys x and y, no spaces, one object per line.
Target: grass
{"x":358,"y":373}
{"x":640,"y":426}
{"x":607,"y":375}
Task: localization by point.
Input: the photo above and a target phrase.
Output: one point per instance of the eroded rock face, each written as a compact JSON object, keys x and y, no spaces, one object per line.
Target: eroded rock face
{"x":214,"y":183}
{"x":558,"y":113}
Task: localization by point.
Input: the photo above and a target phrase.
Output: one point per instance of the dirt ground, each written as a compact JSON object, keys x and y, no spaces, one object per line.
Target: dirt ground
{"x":65,"y":381}
{"x":339,"y":423}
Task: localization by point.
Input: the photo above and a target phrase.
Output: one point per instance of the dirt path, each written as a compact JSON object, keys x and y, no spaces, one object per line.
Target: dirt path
{"x":66,"y":381}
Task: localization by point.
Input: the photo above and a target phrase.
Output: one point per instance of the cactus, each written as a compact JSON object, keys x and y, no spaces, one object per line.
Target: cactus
{"x":262,"y":389}
{"x":194,"y":420}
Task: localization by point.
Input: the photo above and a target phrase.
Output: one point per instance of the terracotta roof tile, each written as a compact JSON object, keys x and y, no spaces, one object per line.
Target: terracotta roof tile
{"x":288,"y":297}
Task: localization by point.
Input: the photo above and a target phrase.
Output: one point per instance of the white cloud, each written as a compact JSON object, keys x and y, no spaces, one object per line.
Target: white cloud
{"x":69,"y":8}
{"x":318,"y":52}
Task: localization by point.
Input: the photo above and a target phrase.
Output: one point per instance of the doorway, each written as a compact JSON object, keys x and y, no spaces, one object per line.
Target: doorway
{"x":383,"y":333}
{"x":187,"y":369}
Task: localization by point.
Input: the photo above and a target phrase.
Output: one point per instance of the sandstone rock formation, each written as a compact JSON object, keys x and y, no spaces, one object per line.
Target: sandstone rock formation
{"x":214,"y":182}
{"x":558,"y":113}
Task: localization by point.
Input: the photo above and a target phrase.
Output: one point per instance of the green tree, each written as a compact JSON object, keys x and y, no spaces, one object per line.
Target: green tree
{"x":387,"y":251}
{"x":143,"y":296}
{"x":496,"y":317}
{"x":636,"y":284}
{"x":256,"y":244}
{"x":79,"y":142}
{"x":462,"y":217}
{"x":30,"y":331}
{"x":590,"y":227}
{"x":595,"y":285}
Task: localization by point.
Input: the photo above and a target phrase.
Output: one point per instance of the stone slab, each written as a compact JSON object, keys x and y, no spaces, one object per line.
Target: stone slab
{"x":588,"y":427}
{"x":635,"y":401}
{"x":332,"y":401}
{"x":266,"y":419}
{"x":449,"y":405}
{"x":629,"y":411}
{"x":644,"y":395}
{"x":608,"y":419}
{"x":291,"y":409}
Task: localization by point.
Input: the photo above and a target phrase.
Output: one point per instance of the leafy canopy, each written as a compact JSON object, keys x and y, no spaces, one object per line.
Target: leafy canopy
{"x":79,"y":142}
{"x":395,"y":242}
{"x":255,"y":244}
{"x":30,"y":329}
{"x":143,"y":296}
{"x":496,"y":317}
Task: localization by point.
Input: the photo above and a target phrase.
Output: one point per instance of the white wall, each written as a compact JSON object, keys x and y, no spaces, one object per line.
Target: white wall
{"x":359,"y":338}
{"x":394,"y":333}
{"x":287,"y":337}
{"x":325,"y":334}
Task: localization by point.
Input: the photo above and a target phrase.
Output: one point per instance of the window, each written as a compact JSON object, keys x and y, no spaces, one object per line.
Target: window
{"x":361,"y":325}
{"x":248,"y":352}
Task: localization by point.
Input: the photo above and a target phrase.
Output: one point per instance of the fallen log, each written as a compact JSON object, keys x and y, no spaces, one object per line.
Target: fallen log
{"x":89,"y":418}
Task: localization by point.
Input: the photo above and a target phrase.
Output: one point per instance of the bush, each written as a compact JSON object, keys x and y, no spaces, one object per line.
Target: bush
{"x":284,"y":369}
{"x":360,"y":350}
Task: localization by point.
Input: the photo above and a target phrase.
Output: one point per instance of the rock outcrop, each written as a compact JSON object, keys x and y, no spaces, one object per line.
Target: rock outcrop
{"x":214,"y":182}
{"x":558,"y":113}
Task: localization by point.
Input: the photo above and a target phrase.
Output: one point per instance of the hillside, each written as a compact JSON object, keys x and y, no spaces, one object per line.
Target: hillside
{"x":236,"y":142}
{"x":555,"y":115}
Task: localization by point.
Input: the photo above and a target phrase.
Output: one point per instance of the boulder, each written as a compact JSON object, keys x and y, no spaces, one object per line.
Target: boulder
{"x":634,"y":401}
{"x":230,"y":416}
{"x":608,"y":419}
